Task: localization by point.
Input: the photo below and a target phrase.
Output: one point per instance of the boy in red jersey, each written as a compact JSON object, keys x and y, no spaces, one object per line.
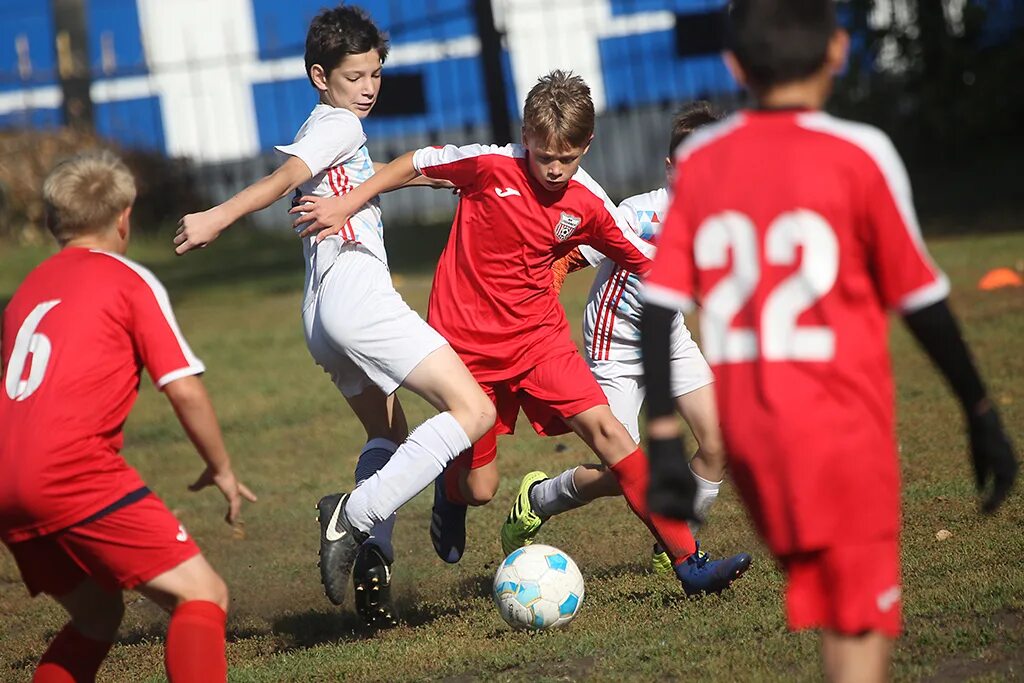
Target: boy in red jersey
{"x":81,"y":523}
{"x":797,"y":230}
{"x":521,"y":208}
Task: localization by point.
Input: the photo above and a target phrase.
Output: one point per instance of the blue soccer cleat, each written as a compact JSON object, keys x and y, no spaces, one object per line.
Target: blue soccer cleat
{"x":700,"y":574}
{"x":447,"y":525}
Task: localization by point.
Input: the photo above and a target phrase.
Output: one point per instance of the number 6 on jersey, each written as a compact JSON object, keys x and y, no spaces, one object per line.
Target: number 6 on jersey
{"x":28,"y":342}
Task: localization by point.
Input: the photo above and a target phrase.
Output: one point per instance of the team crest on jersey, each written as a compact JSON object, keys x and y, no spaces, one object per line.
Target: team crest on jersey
{"x":566,"y":226}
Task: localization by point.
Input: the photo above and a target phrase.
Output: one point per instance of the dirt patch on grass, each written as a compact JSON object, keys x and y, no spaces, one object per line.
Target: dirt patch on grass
{"x":1006,"y":665}
{"x":576,"y":669}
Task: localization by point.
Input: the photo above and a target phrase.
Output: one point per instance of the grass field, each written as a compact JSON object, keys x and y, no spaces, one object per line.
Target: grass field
{"x":293,"y":440}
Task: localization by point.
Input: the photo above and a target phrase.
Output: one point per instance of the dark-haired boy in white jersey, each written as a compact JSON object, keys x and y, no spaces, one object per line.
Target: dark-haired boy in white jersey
{"x":358,"y":328}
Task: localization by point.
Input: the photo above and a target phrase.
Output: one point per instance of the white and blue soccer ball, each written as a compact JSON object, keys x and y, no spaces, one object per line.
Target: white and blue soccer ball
{"x":538,"y":587}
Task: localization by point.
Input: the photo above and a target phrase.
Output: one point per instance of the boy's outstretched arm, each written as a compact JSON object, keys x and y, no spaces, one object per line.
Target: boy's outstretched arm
{"x":196,"y":230}
{"x":420,"y":181}
{"x":326,"y":216}
{"x":995,"y":464}
{"x":195,"y":412}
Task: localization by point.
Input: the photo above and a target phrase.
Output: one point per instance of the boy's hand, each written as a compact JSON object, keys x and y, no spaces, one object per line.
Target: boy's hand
{"x":671,"y":489}
{"x":196,"y":230}
{"x":322,"y":216}
{"x":232,"y":489}
{"x":993,"y":458}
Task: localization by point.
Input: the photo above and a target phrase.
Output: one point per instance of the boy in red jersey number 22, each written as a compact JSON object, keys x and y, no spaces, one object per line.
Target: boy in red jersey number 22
{"x":797,"y":230}
{"x":520,"y":208}
{"x":81,"y":523}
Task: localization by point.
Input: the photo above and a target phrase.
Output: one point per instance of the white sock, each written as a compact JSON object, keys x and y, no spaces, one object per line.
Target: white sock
{"x":415,"y":464}
{"x":375,"y":454}
{"x":707,"y":491}
{"x":556,"y":495}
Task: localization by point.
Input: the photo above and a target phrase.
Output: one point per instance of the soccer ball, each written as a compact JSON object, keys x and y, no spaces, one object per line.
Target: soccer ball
{"x":538,"y":587}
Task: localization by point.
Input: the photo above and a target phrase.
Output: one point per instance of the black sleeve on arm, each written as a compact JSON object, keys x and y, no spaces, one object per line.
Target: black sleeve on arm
{"x":655,"y":349}
{"x":937,"y":331}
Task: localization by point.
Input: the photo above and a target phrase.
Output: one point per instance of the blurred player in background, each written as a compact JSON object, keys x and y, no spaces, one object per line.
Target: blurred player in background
{"x":520,"y":208}
{"x":358,"y":328}
{"x":81,"y":523}
{"x":797,"y":230}
{"x":611,"y":340}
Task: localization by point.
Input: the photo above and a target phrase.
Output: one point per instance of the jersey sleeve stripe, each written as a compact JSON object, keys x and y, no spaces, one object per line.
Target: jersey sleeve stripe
{"x":346,"y":186}
{"x":927,"y":295}
{"x":666,"y":298}
{"x":178,"y":374}
{"x":194,"y":365}
{"x":602,"y":311}
{"x":879,"y":148}
{"x":613,"y":307}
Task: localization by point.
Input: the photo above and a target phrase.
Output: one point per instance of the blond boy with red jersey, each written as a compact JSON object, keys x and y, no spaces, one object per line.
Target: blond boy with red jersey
{"x":80,"y":522}
{"x":521,"y":207}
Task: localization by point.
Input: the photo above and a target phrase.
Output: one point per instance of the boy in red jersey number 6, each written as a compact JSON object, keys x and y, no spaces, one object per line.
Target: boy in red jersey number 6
{"x":81,"y":523}
{"x":521,"y":207}
{"x":797,"y":230}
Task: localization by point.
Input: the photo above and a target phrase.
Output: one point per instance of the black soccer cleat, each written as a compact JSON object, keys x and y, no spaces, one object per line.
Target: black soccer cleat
{"x":371,"y":578}
{"x":339,"y":543}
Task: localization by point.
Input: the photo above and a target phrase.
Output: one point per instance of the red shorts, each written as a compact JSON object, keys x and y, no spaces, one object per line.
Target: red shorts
{"x":549,"y":393}
{"x":849,"y":589}
{"x":131,"y":545}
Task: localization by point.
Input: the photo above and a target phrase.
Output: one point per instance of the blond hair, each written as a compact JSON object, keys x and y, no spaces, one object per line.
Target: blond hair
{"x":559,"y":110}
{"x":85,"y":193}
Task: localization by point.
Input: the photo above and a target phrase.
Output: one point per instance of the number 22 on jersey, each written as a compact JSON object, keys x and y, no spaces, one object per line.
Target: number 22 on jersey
{"x":778,"y":337}
{"x":29,"y":343}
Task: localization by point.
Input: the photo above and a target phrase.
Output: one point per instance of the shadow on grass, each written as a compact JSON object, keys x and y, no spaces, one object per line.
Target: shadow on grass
{"x":313,"y":628}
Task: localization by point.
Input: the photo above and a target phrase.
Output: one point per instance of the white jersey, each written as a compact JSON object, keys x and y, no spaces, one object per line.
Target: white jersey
{"x":332,"y":144}
{"x":611,"y":323}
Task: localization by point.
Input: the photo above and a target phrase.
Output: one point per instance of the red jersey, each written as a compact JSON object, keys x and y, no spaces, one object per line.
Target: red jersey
{"x":492,"y":297}
{"x":796,"y":231}
{"x":74,"y":340}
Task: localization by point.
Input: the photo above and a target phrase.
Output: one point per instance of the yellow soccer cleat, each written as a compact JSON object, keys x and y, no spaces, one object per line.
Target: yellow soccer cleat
{"x":522,"y":523}
{"x":661,"y":563}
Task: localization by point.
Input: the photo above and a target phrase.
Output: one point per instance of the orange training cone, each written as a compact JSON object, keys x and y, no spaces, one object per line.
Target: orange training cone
{"x":1000,"y":277}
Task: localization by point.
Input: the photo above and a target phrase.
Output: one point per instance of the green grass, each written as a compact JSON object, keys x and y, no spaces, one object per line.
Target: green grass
{"x":293,"y":439}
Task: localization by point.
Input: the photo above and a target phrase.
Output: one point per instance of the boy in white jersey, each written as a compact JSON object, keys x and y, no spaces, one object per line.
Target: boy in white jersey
{"x":611,"y":333}
{"x":358,"y":328}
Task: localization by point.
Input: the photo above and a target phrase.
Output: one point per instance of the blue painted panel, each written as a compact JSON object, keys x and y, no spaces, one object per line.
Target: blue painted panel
{"x":281,"y":107}
{"x":620,"y":7}
{"x":453,"y":91}
{"x":135,"y":123}
{"x":644,"y":69}
{"x":281,"y":26}
{"x":32,"y":118}
{"x":35,"y":22}
{"x":118,"y":19}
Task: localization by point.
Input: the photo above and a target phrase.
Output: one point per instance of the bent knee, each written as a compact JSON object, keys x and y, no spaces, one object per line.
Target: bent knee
{"x":476,"y":417}
{"x":481,"y":493}
{"x":211,"y":589}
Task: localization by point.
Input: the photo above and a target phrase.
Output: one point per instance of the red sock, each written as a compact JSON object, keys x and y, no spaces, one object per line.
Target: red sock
{"x":194,"y":651}
{"x":71,"y":658}
{"x":674,"y":535}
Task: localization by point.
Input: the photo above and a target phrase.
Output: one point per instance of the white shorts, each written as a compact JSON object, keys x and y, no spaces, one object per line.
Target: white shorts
{"x":360,"y":330}
{"x":623,"y":381}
